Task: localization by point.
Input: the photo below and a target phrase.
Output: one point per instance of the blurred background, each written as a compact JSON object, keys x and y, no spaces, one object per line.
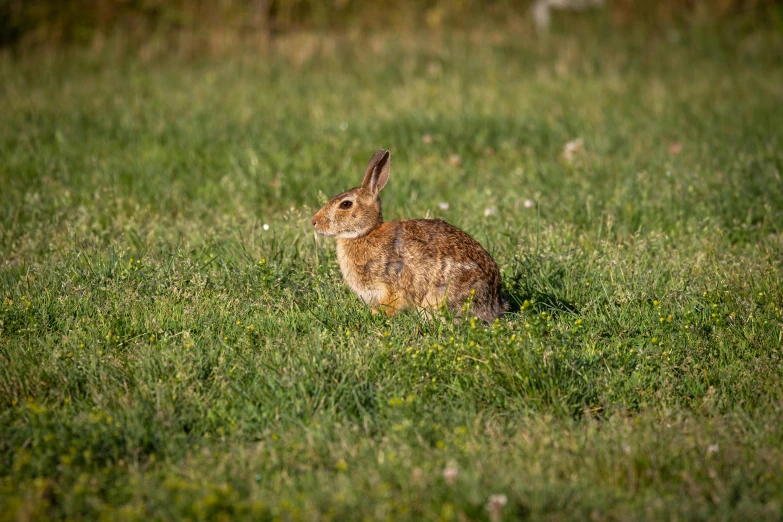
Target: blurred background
{"x":199,"y":25}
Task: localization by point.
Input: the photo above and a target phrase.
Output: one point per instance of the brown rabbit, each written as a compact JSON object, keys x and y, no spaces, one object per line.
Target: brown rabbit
{"x":418,"y":263}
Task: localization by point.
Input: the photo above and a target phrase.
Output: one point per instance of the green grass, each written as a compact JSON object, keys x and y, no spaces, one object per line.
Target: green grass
{"x":164,"y":354}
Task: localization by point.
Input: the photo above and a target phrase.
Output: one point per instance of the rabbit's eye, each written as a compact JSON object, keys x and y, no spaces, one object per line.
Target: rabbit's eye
{"x":345,"y":205}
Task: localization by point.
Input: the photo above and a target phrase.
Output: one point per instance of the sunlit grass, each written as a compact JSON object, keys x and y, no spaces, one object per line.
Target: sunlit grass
{"x":176,"y":342}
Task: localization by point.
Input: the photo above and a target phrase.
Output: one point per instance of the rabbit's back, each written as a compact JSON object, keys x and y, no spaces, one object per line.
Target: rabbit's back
{"x":424,"y":262}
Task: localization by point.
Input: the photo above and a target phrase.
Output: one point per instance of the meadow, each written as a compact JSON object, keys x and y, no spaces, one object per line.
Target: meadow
{"x":176,"y":344}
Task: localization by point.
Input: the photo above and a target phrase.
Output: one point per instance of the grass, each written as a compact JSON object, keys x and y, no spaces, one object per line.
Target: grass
{"x":176,"y":344}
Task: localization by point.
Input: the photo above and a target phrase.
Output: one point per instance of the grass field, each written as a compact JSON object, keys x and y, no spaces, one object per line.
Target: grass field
{"x":176,"y":344}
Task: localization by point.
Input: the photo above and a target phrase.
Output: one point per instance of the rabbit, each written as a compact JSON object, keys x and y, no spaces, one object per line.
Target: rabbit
{"x":411,"y":263}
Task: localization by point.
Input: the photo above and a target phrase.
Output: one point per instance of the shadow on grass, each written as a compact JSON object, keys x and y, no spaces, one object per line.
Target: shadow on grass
{"x":542,"y":282}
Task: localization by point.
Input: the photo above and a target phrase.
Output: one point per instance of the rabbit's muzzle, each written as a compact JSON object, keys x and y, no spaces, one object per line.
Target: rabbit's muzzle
{"x":321,"y":224}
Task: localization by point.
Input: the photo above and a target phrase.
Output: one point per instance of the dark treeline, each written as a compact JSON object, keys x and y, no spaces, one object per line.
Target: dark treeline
{"x":29,"y":23}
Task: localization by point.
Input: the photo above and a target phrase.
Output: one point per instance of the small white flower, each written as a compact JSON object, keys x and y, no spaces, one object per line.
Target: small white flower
{"x":266,"y":227}
{"x":449,"y":474}
{"x":443,"y":205}
{"x":529,"y":203}
{"x":712,"y":448}
{"x":572,"y":148}
{"x":495,"y":507}
{"x":490,"y":211}
{"x":498,"y":500}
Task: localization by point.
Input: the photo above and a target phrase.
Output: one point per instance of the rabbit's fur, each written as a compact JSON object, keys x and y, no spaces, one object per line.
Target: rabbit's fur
{"x":419,"y":263}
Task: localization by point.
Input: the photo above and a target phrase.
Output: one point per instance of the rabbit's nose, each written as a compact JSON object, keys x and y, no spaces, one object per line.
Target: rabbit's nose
{"x":314,"y":222}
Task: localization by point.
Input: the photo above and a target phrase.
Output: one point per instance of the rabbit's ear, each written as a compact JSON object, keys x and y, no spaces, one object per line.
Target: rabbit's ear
{"x":377,"y":173}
